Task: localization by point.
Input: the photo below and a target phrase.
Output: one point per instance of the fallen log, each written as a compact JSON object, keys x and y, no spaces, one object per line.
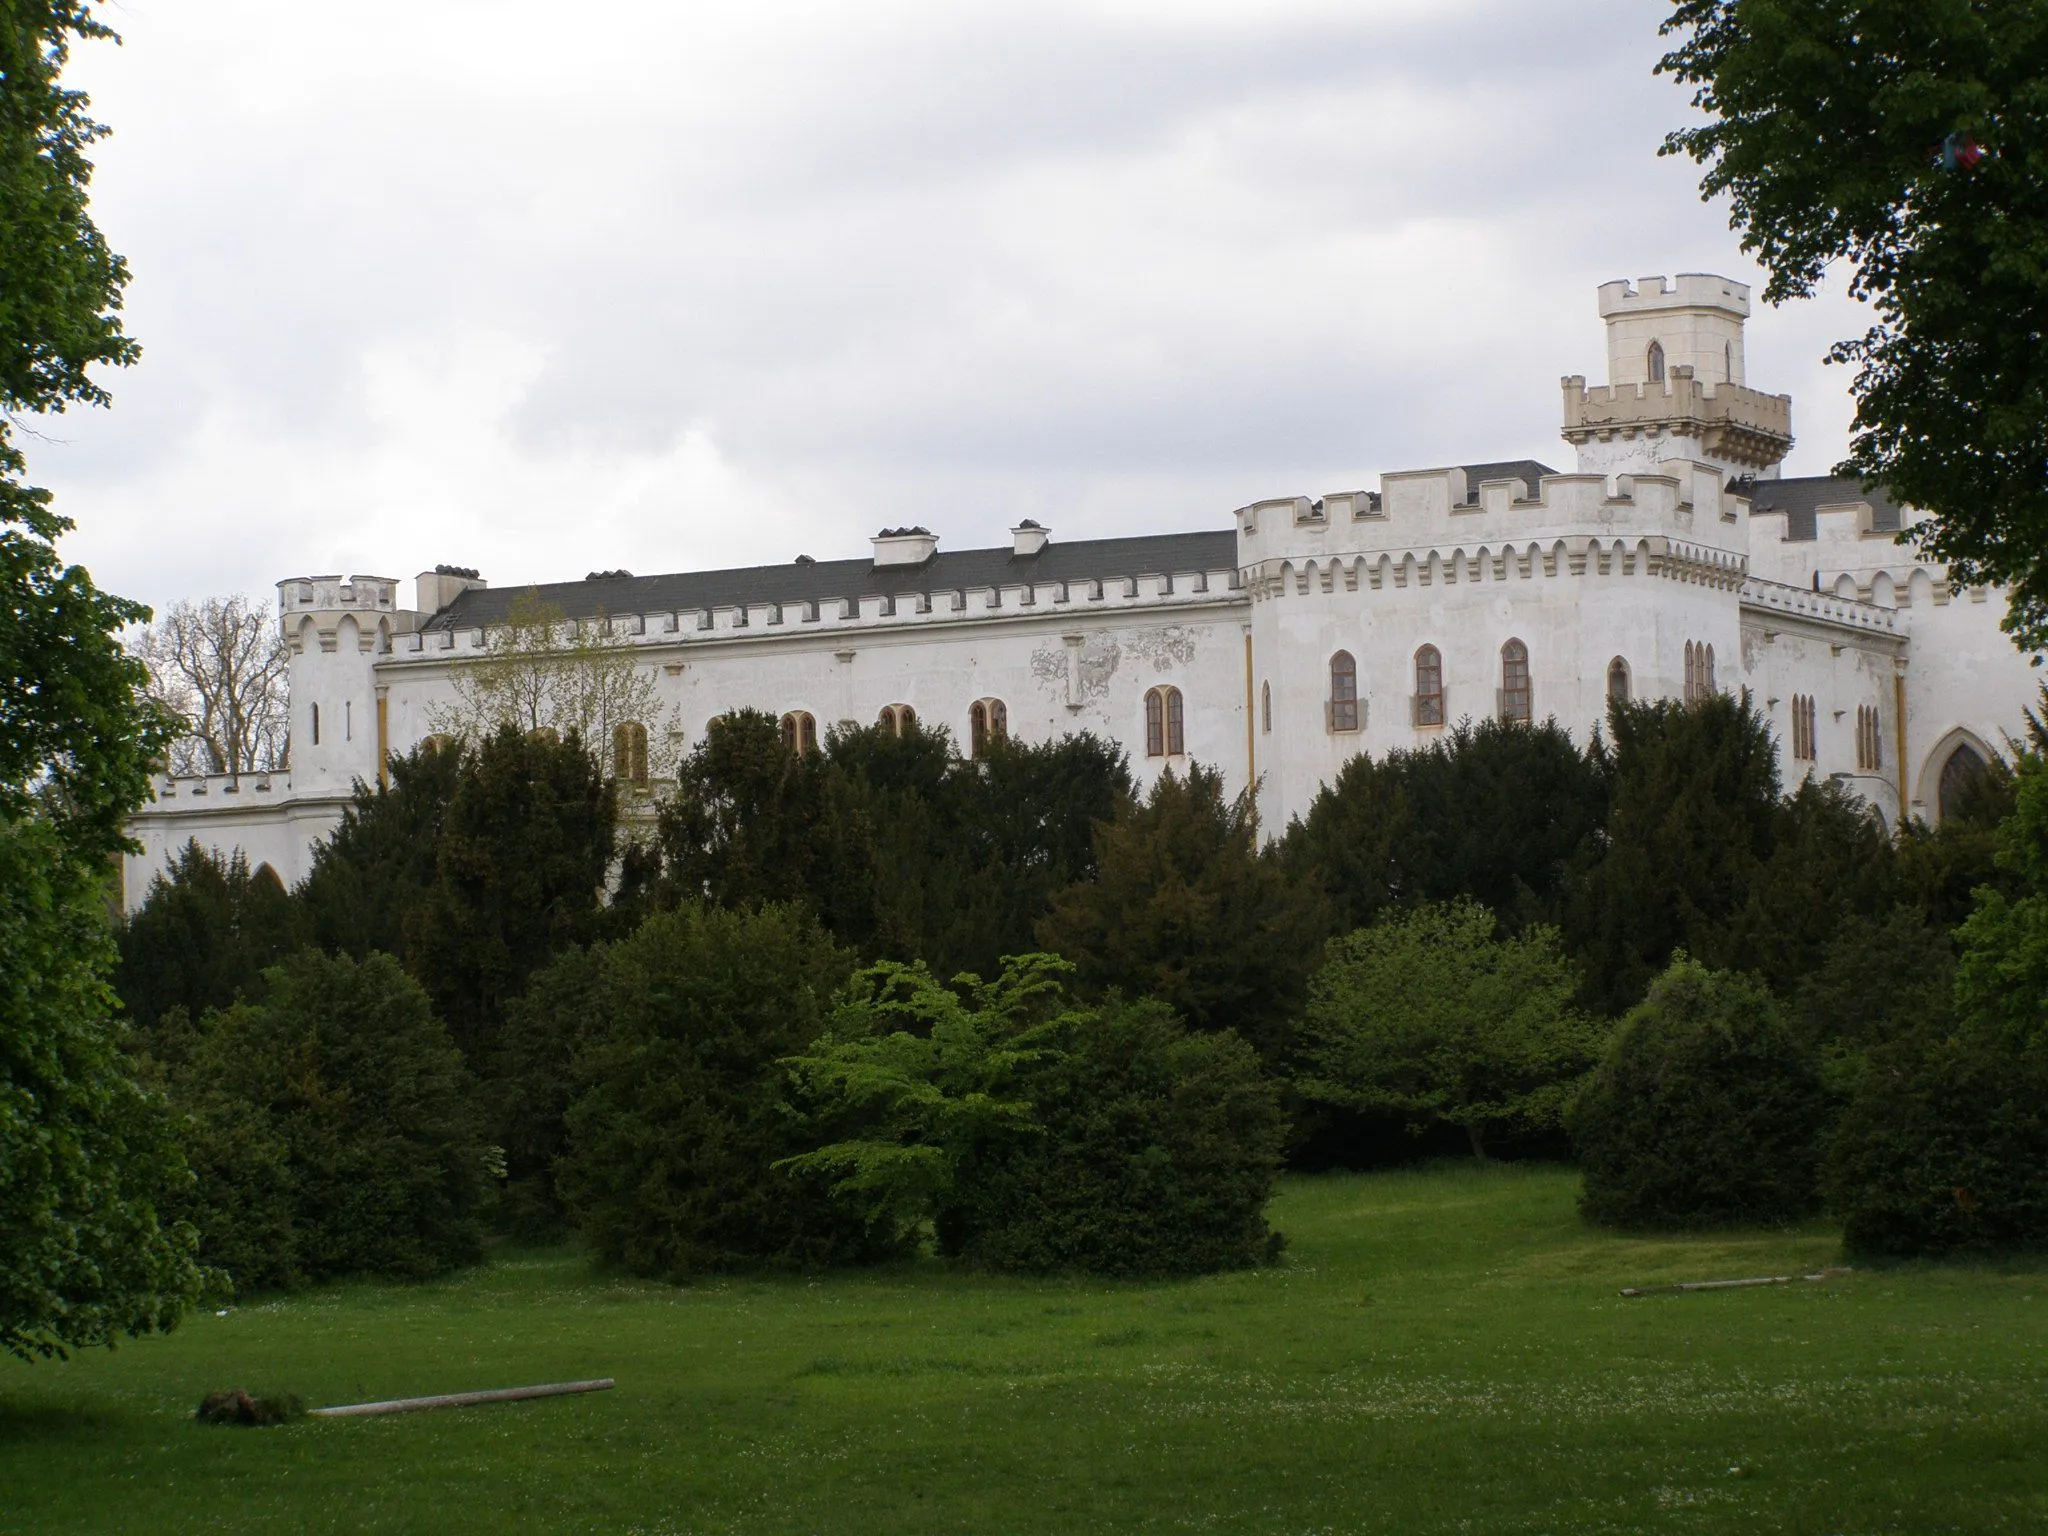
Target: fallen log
{"x":1728,"y":1285}
{"x":459,"y":1399}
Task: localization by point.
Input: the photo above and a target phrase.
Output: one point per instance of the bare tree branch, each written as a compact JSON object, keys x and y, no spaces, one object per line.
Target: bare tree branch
{"x":221,"y":665}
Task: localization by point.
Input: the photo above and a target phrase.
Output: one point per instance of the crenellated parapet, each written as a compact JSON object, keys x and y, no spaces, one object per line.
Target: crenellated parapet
{"x":1431,"y":527}
{"x":1729,"y":423}
{"x":324,"y":612}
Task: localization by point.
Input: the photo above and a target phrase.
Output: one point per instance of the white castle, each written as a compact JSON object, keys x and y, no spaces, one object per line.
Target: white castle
{"x":1672,"y":562}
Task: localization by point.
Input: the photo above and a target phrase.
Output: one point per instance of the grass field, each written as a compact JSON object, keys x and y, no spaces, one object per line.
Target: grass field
{"x":1442,"y":1351}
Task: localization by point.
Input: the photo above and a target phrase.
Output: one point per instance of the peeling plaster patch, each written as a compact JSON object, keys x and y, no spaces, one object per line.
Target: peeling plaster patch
{"x":1166,"y":647}
{"x":1049,"y":670}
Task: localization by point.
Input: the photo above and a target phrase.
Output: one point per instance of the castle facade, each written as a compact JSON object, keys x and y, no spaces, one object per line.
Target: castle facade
{"x":1671,"y":561}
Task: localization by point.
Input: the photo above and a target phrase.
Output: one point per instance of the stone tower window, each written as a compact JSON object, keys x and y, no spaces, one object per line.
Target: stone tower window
{"x":1869,"y":739}
{"x":1514,"y":682}
{"x":1802,"y":727}
{"x":629,"y":753}
{"x":1343,"y":692}
{"x":1266,"y":708}
{"x":1617,"y":681}
{"x":988,"y":721}
{"x":1429,"y":686}
{"x":1165,"y":723}
{"x":800,"y":731}
{"x":1656,"y":362}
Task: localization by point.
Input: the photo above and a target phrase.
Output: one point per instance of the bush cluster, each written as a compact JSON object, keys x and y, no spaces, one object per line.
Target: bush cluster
{"x":741,"y":1055}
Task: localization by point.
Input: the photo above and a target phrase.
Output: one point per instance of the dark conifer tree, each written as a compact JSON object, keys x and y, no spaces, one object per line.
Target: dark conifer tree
{"x":1186,"y":908}
{"x":374,"y":871}
{"x":203,"y":936}
{"x":519,"y":874}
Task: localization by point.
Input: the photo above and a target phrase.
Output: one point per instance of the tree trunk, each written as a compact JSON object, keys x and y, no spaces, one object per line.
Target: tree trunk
{"x":1476,"y":1134}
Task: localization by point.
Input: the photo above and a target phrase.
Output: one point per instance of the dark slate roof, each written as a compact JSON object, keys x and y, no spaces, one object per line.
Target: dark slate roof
{"x":836,"y":580}
{"x":1801,"y":498}
{"x":1529,"y":471}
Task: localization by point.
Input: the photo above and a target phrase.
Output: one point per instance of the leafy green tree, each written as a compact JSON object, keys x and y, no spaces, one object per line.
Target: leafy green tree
{"x":519,"y":873}
{"x":85,"y":1158}
{"x":1187,"y":909}
{"x":1945,"y":1146}
{"x":1707,"y":1109}
{"x":373,"y":872}
{"x":203,"y":936}
{"x":334,"y":1128}
{"x":1694,"y":816}
{"x":1031,"y":1135}
{"x":678,"y":1120}
{"x":1846,"y":131}
{"x":1498,"y":812}
{"x":88,"y":1161}
{"x":1430,"y":1015}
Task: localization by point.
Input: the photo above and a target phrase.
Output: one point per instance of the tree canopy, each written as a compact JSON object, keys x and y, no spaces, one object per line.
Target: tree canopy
{"x":1909,"y":139}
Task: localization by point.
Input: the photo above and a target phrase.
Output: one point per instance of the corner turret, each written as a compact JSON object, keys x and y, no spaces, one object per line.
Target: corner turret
{"x":335,"y":629}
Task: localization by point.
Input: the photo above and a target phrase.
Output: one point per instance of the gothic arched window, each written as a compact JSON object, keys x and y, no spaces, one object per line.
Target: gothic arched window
{"x":1266,"y":708}
{"x":1869,"y":739}
{"x":1959,"y":776}
{"x":1343,"y":692}
{"x":1165,"y":723}
{"x":800,"y":731}
{"x":1429,"y":686}
{"x":896,"y":718}
{"x":1656,"y":362}
{"x":1617,"y":681}
{"x":629,"y":752}
{"x":1514,"y":682}
{"x":988,"y":721}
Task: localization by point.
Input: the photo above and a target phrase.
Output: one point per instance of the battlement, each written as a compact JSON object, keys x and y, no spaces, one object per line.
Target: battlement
{"x":1729,"y":423}
{"x":1688,"y":290}
{"x":324,"y":607}
{"x":1421,"y":509}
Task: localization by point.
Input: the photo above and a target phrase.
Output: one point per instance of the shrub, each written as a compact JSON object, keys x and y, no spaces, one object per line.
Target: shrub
{"x":1945,"y":1145}
{"x":1155,"y":1155}
{"x":203,"y":936}
{"x":673,"y":1138}
{"x":1033,"y":1136}
{"x":1428,"y":1015}
{"x":531,"y":1084}
{"x":334,"y":1131}
{"x":1706,"y":1110}
{"x":1944,"y":1148}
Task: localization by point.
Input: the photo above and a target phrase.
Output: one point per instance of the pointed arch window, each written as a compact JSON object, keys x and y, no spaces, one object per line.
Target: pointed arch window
{"x":1515,"y":688}
{"x":800,"y":732}
{"x":629,"y":753}
{"x":1429,"y":686}
{"x":1959,"y":776}
{"x":1656,"y":362}
{"x":1802,"y":727}
{"x":1343,"y":692}
{"x":1617,"y":681}
{"x":1266,"y":708}
{"x":897,"y":719}
{"x":988,"y":722}
{"x":1728,"y":361}
{"x":1165,"y":723}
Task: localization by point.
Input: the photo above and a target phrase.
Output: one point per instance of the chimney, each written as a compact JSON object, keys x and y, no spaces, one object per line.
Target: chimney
{"x":904,"y":546}
{"x":436,"y":589}
{"x":1028,"y":538}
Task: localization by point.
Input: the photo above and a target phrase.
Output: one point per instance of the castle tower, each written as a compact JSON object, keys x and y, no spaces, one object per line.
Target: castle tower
{"x":1676,"y":384}
{"x":336,"y":629}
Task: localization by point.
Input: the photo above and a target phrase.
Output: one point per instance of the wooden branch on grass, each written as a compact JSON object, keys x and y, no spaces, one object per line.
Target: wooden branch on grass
{"x":459,"y":1399}
{"x":1728,"y":1285}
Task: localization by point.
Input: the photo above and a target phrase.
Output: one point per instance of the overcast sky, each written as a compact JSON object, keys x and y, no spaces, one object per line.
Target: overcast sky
{"x":686,"y":285}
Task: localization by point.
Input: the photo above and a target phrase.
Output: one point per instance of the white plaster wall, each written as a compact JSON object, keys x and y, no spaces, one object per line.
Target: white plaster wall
{"x":271,"y":825}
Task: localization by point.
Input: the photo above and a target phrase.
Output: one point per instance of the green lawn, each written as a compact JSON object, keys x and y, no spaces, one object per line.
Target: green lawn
{"x":1442,"y":1351}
